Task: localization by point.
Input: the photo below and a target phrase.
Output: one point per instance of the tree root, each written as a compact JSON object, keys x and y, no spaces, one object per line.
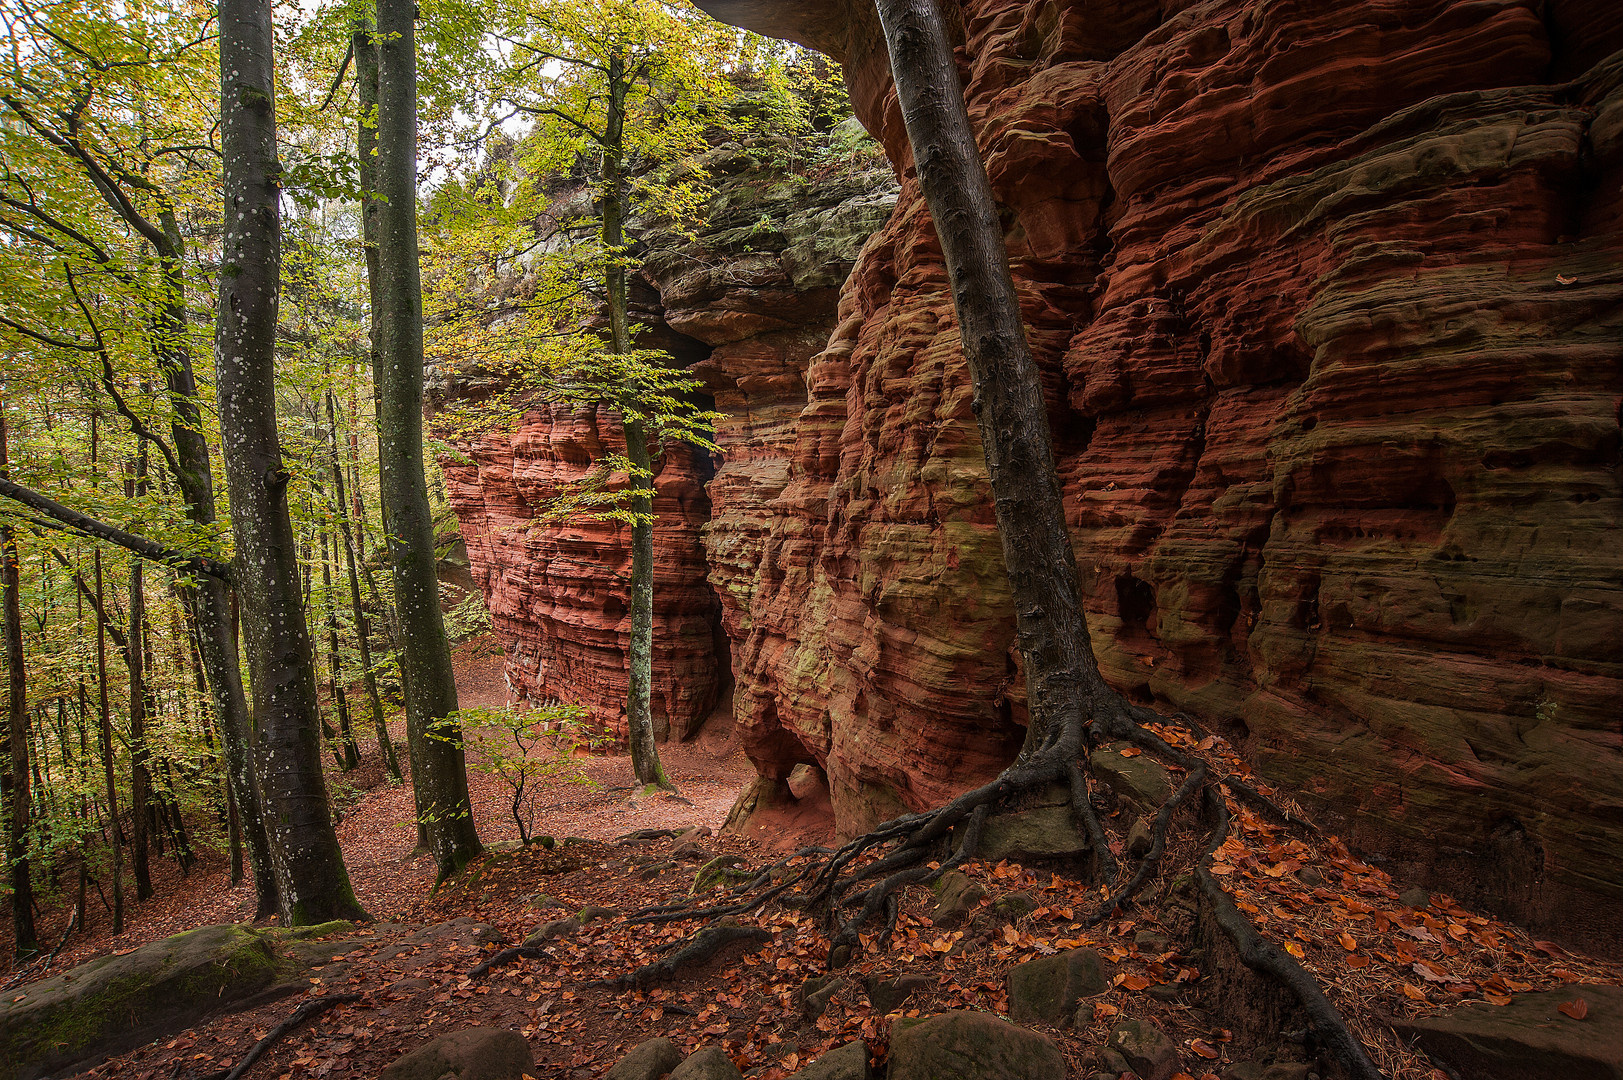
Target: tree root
{"x":1268,"y":959}
{"x":832,"y":883}
{"x":698,"y":949}
{"x":505,"y":957}
{"x":303,"y":1014}
{"x":1195,"y":781}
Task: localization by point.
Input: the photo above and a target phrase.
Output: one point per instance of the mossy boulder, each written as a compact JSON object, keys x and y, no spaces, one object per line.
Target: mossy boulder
{"x":103,"y":1007}
{"x":1040,"y":827}
{"x":972,"y":1046}
{"x":477,"y":1053}
{"x":1048,"y":990}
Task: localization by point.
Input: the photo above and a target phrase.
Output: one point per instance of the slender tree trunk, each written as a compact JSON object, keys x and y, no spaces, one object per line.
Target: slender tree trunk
{"x":312,"y":883}
{"x":1064,"y":687}
{"x":135,"y":660}
{"x":362,"y":630}
{"x":351,"y":754}
{"x":104,"y":714}
{"x":439,"y":773}
{"x":645,"y":763}
{"x":15,"y":776}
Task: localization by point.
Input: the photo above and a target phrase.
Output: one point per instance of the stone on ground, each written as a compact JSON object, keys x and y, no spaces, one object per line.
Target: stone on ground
{"x":1529,"y":1039}
{"x":475,"y":1053}
{"x":887,"y":995}
{"x":554,"y":928}
{"x":1138,"y":779}
{"x":647,"y":1061}
{"x":958,"y":897}
{"x":972,"y":1046}
{"x":1148,"y":1050}
{"x":1049,"y":989}
{"x":848,"y":1062}
{"x":815,"y":993}
{"x":1044,"y":828}
{"x":707,"y":1063}
{"x":110,"y":1004}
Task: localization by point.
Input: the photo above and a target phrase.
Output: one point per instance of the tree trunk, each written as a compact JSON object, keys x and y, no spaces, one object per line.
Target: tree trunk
{"x":1063,"y":686}
{"x":15,"y":776}
{"x":645,"y":763}
{"x":362,"y":628}
{"x":135,"y":661}
{"x":351,"y":754}
{"x":439,"y":773}
{"x":312,"y":883}
{"x":105,"y":716}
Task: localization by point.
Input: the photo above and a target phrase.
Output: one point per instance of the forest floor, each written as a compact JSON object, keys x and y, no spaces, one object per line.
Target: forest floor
{"x":1383,"y":953}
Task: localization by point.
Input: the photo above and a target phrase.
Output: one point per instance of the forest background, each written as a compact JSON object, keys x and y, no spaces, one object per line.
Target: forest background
{"x":127,"y":734}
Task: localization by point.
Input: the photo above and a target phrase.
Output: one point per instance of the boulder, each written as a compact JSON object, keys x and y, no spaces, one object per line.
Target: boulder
{"x":1136,"y":778}
{"x":707,"y":1063}
{"x":1148,"y":1050}
{"x":1250,"y":1070}
{"x":1049,"y":989}
{"x":1140,"y":838}
{"x":555,"y":928}
{"x":848,"y":1062}
{"x":476,"y":1053}
{"x":1044,"y":827}
{"x":815,"y":993}
{"x":887,"y":995}
{"x":72,"y":1020}
{"x":959,"y":896}
{"x":1529,"y":1039}
{"x":972,"y":1046}
{"x":1015,"y":905}
{"x":647,"y":1061}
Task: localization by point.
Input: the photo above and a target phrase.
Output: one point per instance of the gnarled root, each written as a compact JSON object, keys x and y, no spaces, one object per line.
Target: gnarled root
{"x":696,"y":950}
{"x":1268,"y":959}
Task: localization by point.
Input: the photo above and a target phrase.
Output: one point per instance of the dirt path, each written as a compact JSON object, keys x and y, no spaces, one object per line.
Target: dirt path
{"x":378,"y":836}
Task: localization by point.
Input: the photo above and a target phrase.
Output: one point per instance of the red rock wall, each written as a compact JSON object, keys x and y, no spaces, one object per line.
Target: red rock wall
{"x":558,"y":594}
{"x":1328,"y":301}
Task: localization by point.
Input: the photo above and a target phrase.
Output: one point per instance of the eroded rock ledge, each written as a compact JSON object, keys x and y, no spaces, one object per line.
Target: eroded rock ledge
{"x":1328,"y":298}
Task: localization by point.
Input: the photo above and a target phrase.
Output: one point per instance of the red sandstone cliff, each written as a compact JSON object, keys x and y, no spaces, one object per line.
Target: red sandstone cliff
{"x":1328,"y":296}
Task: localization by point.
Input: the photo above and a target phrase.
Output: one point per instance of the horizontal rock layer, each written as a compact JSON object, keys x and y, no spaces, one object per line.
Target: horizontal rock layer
{"x":1327,"y":301}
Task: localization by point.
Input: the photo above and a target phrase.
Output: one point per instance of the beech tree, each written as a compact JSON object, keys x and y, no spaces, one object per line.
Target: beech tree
{"x":439,"y":772}
{"x":314,"y":885}
{"x":74,"y":125}
{"x":606,"y":85}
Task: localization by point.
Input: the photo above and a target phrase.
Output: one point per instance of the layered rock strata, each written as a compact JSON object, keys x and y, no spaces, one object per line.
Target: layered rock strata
{"x":1329,"y":302}
{"x":753,"y":297}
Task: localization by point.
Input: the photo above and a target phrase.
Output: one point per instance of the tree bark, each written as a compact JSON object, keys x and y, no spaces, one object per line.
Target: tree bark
{"x":1063,"y":686}
{"x":312,"y":883}
{"x":350,"y":753}
{"x":135,"y":660}
{"x":645,"y":763}
{"x":369,"y":677}
{"x":15,"y":775}
{"x":439,"y":773}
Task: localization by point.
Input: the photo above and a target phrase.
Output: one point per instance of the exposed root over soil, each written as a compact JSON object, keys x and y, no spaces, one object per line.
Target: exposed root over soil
{"x":918,"y":849}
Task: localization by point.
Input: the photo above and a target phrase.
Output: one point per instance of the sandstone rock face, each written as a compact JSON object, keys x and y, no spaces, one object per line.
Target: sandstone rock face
{"x":1327,"y":298}
{"x":752,"y":298}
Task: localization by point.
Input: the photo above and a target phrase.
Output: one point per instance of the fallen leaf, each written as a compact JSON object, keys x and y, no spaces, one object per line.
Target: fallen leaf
{"x":1413,"y":992}
{"x":1348,"y":942}
{"x":1204,"y":1049}
{"x":1576,"y":1009}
